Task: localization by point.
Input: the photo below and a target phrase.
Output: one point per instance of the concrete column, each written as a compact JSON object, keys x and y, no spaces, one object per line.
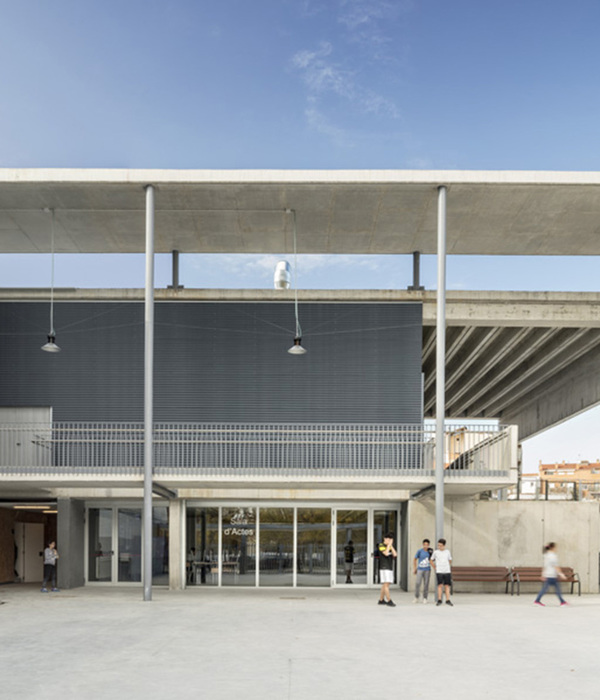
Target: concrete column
{"x":177,"y":551}
{"x":70,"y":535}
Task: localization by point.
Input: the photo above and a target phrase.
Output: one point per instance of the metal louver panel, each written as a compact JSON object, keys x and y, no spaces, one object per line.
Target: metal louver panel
{"x":221,"y":362}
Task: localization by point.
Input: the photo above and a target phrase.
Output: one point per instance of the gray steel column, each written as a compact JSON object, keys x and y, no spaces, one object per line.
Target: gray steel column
{"x":440,"y":365}
{"x":148,"y":395}
{"x":416,"y":285}
{"x":175,"y":271}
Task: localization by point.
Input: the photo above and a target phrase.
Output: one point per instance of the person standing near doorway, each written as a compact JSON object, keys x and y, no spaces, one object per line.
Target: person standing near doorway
{"x":440,"y":560}
{"x":50,"y":557}
{"x":387,"y":554}
{"x":422,"y":570}
{"x":349,"y":561}
{"x":550,"y":575}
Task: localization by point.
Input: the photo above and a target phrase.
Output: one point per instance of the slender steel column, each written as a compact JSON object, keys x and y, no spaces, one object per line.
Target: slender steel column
{"x":440,"y":365}
{"x":148,"y":394}
{"x":175,"y":270}
{"x":416,"y":285}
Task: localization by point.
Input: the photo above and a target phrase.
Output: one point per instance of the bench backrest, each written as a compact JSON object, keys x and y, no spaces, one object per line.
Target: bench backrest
{"x":535,"y":572}
{"x":480,"y":573}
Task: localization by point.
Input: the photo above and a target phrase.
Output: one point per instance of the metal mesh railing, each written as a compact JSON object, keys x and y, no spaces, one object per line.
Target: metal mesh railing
{"x":203,"y":449}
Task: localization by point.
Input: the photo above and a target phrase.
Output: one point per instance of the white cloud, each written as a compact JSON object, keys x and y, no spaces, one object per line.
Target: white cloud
{"x":320,"y":74}
{"x":358,"y":14}
{"x":317,"y":121}
{"x":367,"y":24}
{"x":331,"y":76}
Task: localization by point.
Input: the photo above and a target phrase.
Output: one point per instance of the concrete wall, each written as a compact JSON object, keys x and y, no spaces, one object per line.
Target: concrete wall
{"x":70,"y":542}
{"x":512,"y":533}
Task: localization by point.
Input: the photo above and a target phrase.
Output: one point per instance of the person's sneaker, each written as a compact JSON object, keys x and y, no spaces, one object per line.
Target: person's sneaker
{"x":44,"y":590}
{"x":563,"y":603}
{"x":382,"y":602}
{"x":391,"y":603}
{"x":439,"y":602}
{"x":56,"y":590}
{"x":537,"y":602}
{"x":449,"y":602}
{"x":416,"y":600}
{"x":424,"y":601}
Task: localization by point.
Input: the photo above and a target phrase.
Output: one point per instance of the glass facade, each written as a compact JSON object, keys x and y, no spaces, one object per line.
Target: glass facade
{"x":244,"y":545}
{"x":238,"y":558}
{"x":100,"y":544}
{"x":160,"y":545}
{"x":202,"y":558}
{"x":114,"y":543}
{"x":130,"y":544}
{"x":314,"y":547}
{"x":385,"y":521}
{"x":276,"y":547}
{"x":351,"y":546}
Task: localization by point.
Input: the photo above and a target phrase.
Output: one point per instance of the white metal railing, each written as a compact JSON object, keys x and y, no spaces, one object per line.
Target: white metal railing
{"x":206,"y":449}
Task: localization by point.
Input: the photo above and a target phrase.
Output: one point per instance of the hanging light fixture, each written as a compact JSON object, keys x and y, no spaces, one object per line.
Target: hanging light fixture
{"x":296,"y":348}
{"x":51,"y":346}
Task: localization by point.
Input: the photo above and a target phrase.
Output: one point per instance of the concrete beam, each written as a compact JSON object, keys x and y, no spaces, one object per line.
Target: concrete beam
{"x":497,"y":368}
{"x":484,"y":309}
{"x":456,"y":339}
{"x":463,"y":367}
{"x":573,"y":390}
{"x":504,"y":344}
{"x":567,"y":358}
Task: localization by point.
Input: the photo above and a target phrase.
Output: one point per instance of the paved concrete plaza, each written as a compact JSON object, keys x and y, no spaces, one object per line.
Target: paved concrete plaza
{"x":279,"y":644}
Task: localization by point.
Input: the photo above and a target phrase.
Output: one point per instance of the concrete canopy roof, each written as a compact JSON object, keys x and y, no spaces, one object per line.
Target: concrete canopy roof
{"x":338,"y":211}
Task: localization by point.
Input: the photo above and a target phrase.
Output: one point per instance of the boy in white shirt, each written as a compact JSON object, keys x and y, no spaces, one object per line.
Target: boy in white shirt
{"x":440,"y":561}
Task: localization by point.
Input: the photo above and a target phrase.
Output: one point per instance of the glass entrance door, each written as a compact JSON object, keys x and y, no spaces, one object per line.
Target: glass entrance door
{"x":130,"y":544}
{"x":100,"y":544}
{"x":351,"y":546}
{"x":314,"y":547}
{"x":238,"y":559}
{"x":276,"y":547}
{"x":385,"y":521}
{"x":114,"y":544}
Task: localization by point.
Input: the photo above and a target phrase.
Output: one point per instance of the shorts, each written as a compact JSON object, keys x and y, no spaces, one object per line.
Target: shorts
{"x":444,"y":579}
{"x":348,"y":567}
{"x":386,"y":576}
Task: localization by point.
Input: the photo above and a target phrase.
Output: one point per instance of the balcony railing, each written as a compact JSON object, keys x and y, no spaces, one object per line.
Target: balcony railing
{"x":247,"y":450}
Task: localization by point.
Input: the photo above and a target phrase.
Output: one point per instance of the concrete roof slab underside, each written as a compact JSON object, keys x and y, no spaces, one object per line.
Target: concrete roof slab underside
{"x":338,"y":212}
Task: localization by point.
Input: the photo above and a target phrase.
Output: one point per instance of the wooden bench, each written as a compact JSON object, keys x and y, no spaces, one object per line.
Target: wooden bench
{"x":533,"y":574}
{"x":483,"y":574}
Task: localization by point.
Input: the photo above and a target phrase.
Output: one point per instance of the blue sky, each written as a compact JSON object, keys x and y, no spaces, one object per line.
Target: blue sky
{"x":305,"y":84}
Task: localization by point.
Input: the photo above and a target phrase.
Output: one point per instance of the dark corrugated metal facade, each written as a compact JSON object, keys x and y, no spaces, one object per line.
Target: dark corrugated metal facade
{"x":216,"y":362}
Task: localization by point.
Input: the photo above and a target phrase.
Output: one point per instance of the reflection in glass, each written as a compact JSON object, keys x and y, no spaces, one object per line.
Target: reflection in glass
{"x":314,"y":547}
{"x":351,"y":552}
{"x":202,"y":548}
{"x":160,"y":545}
{"x":130,"y":544}
{"x":238,"y":561}
{"x":276,"y":546}
{"x":385,"y":521}
{"x":100,"y":544}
